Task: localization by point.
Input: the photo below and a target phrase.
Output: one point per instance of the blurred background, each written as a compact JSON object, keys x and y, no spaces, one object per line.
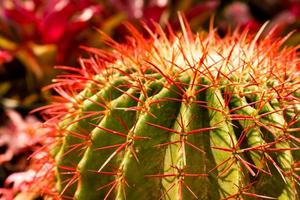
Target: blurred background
{"x":36,"y":35}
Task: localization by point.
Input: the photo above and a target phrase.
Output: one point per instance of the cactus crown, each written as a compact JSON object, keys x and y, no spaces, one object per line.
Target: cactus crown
{"x":182,"y":116}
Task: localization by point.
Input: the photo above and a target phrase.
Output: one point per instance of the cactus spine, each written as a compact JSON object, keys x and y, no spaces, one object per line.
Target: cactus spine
{"x":180,"y":117}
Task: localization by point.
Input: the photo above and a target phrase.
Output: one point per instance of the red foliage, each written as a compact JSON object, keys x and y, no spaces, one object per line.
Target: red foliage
{"x":50,"y":22}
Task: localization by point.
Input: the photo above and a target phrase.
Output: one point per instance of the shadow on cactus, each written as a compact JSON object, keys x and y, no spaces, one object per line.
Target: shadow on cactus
{"x":179,"y":116}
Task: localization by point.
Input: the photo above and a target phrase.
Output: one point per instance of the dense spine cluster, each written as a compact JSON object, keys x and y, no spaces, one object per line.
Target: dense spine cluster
{"x":180,"y":117}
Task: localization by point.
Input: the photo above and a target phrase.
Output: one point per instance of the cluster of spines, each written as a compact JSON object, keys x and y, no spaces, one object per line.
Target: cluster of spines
{"x":242,"y":106}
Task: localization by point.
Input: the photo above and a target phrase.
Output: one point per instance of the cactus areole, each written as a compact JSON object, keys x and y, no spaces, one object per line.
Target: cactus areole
{"x":179,"y":117}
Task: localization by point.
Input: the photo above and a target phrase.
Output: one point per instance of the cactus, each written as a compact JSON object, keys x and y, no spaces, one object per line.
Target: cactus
{"x":179,"y":116}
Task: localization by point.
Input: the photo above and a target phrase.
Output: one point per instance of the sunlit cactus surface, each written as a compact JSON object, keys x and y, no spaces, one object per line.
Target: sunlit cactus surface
{"x":178,"y":117}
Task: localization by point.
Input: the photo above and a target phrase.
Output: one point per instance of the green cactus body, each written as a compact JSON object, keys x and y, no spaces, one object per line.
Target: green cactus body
{"x":189,"y":117}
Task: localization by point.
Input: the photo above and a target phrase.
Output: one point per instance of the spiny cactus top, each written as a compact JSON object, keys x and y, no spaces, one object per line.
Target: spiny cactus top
{"x":180,"y":116}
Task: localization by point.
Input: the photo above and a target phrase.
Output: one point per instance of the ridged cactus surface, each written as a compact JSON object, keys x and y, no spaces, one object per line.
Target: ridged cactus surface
{"x":180,"y":117}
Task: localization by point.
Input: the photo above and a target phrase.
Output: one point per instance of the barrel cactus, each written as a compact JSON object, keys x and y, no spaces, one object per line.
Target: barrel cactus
{"x":179,"y":116}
